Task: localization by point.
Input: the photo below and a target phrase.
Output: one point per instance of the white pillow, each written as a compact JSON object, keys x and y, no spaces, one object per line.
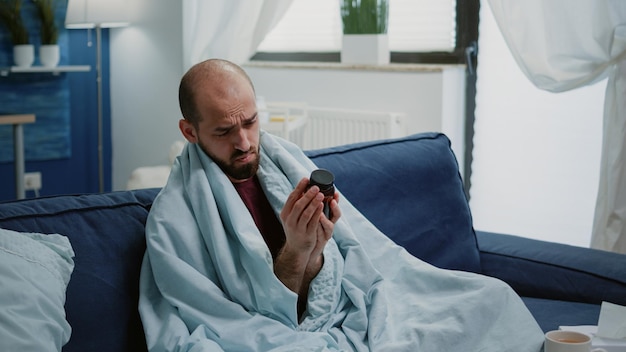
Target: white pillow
{"x":34,"y":271}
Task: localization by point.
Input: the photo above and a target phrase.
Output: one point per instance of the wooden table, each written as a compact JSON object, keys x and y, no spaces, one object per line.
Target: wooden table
{"x":18,"y":147}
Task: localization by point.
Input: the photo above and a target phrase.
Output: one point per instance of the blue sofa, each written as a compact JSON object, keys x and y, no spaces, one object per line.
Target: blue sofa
{"x":409,"y":188}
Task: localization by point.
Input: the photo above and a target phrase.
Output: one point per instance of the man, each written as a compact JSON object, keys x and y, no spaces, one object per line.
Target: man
{"x":240,"y":256}
{"x":223,"y":121}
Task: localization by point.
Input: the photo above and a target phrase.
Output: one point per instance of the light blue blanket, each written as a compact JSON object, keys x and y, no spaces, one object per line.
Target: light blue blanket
{"x":207,"y":282}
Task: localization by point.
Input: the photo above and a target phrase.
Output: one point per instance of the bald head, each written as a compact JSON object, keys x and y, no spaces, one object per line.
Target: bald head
{"x":209,"y":77}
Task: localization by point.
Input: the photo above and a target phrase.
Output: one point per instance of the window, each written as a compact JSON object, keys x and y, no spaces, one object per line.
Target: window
{"x":311,"y":30}
{"x":420,"y":31}
{"x":308,"y":26}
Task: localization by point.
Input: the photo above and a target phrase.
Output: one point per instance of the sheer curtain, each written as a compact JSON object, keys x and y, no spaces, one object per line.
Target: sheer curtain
{"x":227,"y":29}
{"x":565,"y":44}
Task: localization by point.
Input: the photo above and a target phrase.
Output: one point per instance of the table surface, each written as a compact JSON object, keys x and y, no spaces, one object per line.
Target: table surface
{"x":16,"y":119}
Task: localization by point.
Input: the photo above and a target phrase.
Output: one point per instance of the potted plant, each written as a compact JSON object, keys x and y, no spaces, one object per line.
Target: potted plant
{"x":365,"y":25}
{"x":49,"y":49}
{"x":11,"y":16}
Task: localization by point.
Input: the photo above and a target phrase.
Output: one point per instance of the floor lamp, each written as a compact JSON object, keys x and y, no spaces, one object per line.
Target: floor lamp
{"x":98,"y":14}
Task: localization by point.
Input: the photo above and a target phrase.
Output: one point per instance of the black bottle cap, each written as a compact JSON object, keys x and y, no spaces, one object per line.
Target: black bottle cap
{"x":323,"y":179}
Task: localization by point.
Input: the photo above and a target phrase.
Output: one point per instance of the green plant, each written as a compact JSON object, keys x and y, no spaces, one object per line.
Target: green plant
{"x":364,"y":16}
{"x":49,"y":29}
{"x":11,"y":16}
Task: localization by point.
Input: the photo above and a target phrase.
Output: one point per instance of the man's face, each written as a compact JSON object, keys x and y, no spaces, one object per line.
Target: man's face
{"x":228,"y":130}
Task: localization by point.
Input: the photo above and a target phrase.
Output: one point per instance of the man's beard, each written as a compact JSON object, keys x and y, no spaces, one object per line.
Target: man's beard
{"x":242,"y":172}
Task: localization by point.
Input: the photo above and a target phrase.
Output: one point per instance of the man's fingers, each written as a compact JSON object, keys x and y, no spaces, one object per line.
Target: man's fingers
{"x":293,"y":197}
{"x":335,"y":210}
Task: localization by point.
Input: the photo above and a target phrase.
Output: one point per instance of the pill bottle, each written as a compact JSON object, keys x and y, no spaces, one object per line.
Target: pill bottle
{"x":324,"y":179}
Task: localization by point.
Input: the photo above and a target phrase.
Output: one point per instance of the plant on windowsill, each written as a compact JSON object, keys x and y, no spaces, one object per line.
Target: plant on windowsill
{"x":11,"y":16}
{"x":365,"y":25}
{"x":49,"y":50}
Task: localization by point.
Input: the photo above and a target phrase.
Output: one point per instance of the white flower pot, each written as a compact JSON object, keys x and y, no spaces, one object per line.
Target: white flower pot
{"x":368,"y":49}
{"x":49,"y":55}
{"x":23,"y":55}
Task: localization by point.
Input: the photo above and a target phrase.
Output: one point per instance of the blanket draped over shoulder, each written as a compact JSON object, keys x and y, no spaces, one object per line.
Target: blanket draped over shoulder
{"x":207,"y":281}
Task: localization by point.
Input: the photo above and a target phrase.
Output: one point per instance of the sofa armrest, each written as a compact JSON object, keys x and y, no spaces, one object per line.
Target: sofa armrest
{"x":541,"y":269}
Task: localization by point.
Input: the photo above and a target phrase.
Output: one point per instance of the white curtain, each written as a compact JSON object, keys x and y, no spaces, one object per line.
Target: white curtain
{"x":227,"y":29}
{"x":565,"y":44}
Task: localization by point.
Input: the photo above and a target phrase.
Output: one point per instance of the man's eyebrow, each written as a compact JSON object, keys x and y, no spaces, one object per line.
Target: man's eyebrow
{"x":252,"y":118}
{"x":225,"y":129}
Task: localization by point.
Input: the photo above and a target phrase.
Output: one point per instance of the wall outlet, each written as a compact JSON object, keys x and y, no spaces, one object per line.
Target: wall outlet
{"x":32,"y":181}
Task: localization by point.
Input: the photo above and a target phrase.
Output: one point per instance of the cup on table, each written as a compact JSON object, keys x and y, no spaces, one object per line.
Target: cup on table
{"x":568,"y":341}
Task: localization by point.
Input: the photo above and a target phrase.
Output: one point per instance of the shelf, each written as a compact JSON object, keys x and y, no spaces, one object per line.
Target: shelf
{"x":16,"y":119}
{"x":5,"y":71}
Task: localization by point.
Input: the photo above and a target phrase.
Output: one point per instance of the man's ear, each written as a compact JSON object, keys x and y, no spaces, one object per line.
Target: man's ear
{"x":188,"y":131}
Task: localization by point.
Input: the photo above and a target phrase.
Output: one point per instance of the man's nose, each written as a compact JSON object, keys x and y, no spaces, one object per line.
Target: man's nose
{"x":241,"y":140}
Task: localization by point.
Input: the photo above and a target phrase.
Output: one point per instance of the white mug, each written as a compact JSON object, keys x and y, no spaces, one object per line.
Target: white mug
{"x":568,"y":341}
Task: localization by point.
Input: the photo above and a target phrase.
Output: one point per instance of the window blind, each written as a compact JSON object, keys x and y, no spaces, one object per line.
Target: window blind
{"x":414,"y":26}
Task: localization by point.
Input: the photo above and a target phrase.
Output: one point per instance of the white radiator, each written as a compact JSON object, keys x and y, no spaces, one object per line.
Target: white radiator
{"x":328,"y":127}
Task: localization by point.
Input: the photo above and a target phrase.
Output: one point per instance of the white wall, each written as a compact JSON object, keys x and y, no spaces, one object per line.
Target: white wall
{"x":537,"y":154}
{"x":146,"y":66}
{"x":431,"y":97}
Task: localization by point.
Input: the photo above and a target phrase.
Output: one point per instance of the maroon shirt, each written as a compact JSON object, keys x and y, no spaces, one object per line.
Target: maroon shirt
{"x":255,"y":200}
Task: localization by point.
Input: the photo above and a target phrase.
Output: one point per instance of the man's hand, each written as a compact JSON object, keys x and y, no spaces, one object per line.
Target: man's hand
{"x":307,"y":231}
{"x":300,"y":217}
{"x":324,"y":232}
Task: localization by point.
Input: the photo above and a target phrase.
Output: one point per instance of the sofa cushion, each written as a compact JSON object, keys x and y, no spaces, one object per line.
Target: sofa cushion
{"x":550,"y":314}
{"x":424,"y":207}
{"x":554,"y":270}
{"x":34,"y":271}
{"x":106,"y":232}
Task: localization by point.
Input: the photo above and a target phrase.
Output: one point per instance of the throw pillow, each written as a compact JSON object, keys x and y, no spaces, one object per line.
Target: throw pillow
{"x":34,"y":270}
